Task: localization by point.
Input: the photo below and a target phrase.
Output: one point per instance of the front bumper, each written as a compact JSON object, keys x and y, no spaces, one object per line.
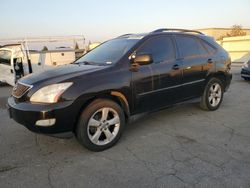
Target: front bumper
{"x":27,"y":114}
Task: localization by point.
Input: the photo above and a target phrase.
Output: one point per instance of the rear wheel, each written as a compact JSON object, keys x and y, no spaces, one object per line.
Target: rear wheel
{"x":100,"y":125}
{"x":212,"y":95}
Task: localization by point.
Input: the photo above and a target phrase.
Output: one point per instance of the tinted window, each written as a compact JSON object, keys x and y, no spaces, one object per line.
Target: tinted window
{"x":209,"y":48}
{"x":190,"y":46}
{"x":202,"y":49}
{"x":5,"y":57}
{"x":160,"y":48}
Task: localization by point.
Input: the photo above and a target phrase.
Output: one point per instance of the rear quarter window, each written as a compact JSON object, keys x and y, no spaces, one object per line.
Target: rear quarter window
{"x":208,"y":47}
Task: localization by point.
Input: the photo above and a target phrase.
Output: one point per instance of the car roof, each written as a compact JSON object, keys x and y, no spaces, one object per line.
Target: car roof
{"x":165,"y":32}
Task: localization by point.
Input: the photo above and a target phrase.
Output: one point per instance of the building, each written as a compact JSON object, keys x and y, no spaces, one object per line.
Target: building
{"x":218,"y":32}
{"x":237,"y":47}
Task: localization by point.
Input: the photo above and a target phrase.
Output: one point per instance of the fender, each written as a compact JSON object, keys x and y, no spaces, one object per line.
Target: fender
{"x":123,"y":100}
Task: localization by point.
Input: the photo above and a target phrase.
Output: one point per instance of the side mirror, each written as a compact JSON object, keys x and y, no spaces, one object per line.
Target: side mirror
{"x":143,"y":59}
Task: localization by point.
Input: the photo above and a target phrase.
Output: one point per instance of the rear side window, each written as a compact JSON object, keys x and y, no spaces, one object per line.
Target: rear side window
{"x":190,"y":47}
{"x":160,"y":48}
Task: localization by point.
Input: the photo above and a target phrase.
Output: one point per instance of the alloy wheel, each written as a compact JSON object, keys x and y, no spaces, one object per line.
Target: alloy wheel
{"x":215,"y":94}
{"x":103,"y":126}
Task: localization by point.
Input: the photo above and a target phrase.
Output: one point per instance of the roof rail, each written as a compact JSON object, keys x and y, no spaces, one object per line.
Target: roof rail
{"x":180,"y":30}
{"x":125,"y":35}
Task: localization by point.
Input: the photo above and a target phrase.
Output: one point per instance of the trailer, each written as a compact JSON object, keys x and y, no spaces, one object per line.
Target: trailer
{"x":17,"y":60}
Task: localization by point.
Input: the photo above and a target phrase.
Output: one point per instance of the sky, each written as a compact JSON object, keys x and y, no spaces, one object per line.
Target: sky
{"x":99,"y":20}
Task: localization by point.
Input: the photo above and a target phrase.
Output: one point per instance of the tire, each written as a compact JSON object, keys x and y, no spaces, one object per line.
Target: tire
{"x":212,"y":97}
{"x":94,"y":126}
{"x":2,"y":84}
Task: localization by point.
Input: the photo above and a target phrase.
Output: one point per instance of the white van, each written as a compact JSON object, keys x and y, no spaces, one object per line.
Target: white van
{"x":10,"y":57}
{"x":17,"y":61}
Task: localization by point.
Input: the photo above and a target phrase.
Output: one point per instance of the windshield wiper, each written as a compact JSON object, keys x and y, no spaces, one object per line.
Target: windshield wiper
{"x":90,"y":63}
{"x":86,"y":63}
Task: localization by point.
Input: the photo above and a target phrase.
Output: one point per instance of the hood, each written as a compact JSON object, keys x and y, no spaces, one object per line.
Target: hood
{"x":58,"y":74}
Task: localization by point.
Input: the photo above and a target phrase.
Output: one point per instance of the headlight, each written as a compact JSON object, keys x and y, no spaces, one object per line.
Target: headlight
{"x":50,"y":93}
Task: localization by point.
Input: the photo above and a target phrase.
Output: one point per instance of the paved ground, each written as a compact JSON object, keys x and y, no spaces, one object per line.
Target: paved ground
{"x":178,"y":147}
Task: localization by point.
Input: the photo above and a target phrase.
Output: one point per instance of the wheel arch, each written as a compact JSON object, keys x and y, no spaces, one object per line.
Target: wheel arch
{"x":220,"y":75}
{"x":113,"y":95}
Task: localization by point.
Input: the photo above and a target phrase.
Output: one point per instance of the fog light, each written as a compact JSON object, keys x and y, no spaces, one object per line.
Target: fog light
{"x":46,"y":122}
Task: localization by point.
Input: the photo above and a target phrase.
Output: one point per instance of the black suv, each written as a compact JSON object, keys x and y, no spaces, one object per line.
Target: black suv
{"x":135,"y":73}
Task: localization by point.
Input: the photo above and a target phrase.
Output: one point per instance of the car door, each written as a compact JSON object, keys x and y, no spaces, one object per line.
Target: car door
{"x":151,"y":82}
{"x":7,"y":73}
{"x":195,"y":62}
{"x":168,"y":69}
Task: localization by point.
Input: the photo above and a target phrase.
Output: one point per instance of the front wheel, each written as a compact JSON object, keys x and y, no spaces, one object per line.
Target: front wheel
{"x":212,"y":95}
{"x":100,"y":125}
{"x":2,"y":84}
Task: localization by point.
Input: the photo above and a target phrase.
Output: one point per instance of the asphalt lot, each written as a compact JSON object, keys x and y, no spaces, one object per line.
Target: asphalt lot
{"x":177,"y":147}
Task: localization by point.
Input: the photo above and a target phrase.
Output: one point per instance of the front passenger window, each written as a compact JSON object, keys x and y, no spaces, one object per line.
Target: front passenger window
{"x":160,"y":48}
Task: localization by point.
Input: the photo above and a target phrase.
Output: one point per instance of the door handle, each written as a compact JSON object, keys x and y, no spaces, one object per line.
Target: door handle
{"x":176,"y":67}
{"x":210,"y":61}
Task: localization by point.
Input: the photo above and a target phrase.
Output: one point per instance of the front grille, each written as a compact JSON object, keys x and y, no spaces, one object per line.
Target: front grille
{"x":20,"y":89}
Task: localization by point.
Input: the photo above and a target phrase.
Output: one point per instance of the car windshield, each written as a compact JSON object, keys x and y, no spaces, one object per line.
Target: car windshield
{"x":109,"y":52}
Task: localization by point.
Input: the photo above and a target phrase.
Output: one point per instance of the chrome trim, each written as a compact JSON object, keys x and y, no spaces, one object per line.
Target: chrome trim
{"x":28,"y":85}
{"x":172,"y":87}
{"x":193,"y":82}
